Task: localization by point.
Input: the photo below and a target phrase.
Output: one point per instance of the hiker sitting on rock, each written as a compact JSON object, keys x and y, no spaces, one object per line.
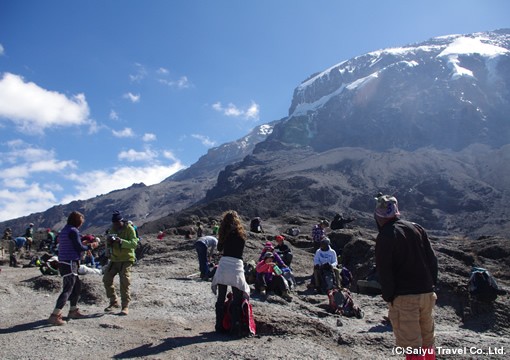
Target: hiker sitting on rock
{"x":283,"y":250}
{"x":269,"y":248}
{"x":339,"y":221}
{"x":325,"y":258}
{"x":269,"y":278}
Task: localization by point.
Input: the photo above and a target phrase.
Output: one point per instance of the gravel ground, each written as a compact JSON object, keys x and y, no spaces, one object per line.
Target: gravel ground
{"x":172,"y":317}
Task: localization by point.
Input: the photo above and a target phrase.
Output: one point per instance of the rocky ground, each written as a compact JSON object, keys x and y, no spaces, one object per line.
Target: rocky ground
{"x":172,"y":313}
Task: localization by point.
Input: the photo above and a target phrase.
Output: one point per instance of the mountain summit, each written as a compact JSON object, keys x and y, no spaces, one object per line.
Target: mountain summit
{"x":447,"y":92}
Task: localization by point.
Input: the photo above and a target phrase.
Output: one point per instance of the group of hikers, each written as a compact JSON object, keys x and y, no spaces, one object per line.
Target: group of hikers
{"x":406,"y":266}
{"x":18,"y":244}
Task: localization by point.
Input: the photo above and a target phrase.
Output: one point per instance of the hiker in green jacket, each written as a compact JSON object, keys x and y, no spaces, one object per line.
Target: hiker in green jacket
{"x":120,"y":244}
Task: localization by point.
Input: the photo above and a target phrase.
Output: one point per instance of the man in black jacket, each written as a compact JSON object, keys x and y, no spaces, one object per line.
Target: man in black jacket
{"x":407,"y":269}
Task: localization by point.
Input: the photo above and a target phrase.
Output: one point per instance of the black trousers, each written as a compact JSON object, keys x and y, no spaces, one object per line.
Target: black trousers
{"x":71,"y":284}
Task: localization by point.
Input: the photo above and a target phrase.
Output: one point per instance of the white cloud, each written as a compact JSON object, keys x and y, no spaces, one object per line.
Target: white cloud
{"x":149,"y":137}
{"x":182,"y":83}
{"x":169,"y":155}
{"x":102,"y":182}
{"x":20,"y":194}
{"x":140,"y":73}
{"x":113,"y":115}
{"x":2,"y":52}
{"x":127,"y":132}
{"x":163,"y":71}
{"x":33,"y":198}
{"x":34,"y":109}
{"x":252,"y":113}
{"x":133,"y":155}
{"x":132,"y":97}
{"x":204,"y":139}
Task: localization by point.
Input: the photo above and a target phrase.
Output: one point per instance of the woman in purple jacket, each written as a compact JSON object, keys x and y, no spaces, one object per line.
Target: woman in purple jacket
{"x":70,"y":249}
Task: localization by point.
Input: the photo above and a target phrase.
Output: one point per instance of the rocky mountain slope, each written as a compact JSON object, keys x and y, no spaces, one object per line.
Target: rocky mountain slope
{"x":426,"y":122}
{"x":141,"y":203}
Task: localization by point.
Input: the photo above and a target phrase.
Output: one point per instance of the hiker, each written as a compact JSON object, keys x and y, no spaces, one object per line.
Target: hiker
{"x":407,"y":269}
{"x":269,"y":248}
{"x":200,"y":230}
{"x":256,"y":225}
{"x":339,"y":221}
{"x":7,"y":234}
{"x":29,"y":235}
{"x":230,"y":271}
{"x":325,"y":258}
{"x":319,"y":233}
{"x":48,"y":242}
{"x":205,"y":247}
{"x":121,"y":242}
{"x":70,"y":252}
{"x":161,"y":235}
{"x":269,"y":278}
{"x":215,"y":228}
{"x":15,"y":246}
{"x":283,"y":250}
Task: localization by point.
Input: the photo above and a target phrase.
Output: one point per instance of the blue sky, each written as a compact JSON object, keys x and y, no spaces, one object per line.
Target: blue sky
{"x":98,"y":95}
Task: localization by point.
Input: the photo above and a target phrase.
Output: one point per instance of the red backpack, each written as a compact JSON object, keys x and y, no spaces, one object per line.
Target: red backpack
{"x":247,"y":322}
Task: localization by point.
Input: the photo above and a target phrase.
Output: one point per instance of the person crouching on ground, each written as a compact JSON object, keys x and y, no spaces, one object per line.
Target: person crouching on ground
{"x":268,"y":278}
{"x":230,"y":271}
{"x":70,"y":252}
{"x":205,"y":247}
{"x":407,"y":269}
{"x":121,"y":242}
{"x":16,"y":246}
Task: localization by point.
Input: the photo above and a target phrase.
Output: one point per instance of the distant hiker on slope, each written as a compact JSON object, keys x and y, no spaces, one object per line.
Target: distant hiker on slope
{"x":407,"y":270}
{"x":15,"y":246}
{"x":230,"y":271}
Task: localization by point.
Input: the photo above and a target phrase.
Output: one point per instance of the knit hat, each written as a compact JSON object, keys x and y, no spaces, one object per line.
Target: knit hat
{"x":268,"y":255}
{"x":325,"y":241}
{"x":387,"y":207}
{"x":268,"y":246}
{"x":117,"y":216}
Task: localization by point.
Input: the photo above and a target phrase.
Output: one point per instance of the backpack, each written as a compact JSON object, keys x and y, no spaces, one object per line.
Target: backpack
{"x":250,"y":272}
{"x":293,"y":231}
{"x":289,"y":276}
{"x":482,"y":286}
{"x":341,"y":302}
{"x":248,"y":327}
{"x":255,"y":225}
{"x":345,"y":276}
{"x":327,"y":278}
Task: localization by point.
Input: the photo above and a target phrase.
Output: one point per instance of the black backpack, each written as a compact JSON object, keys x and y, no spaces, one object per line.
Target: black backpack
{"x":482,"y":286}
{"x":256,"y":225}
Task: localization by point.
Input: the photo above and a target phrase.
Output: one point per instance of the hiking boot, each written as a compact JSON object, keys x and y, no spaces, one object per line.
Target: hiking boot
{"x":287,"y":296}
{"x":112,"y":306}
{"x":124,"y":311}
{"x":56,"y":320}
{"x":263,"y":291}
{"x":75,"y":314}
